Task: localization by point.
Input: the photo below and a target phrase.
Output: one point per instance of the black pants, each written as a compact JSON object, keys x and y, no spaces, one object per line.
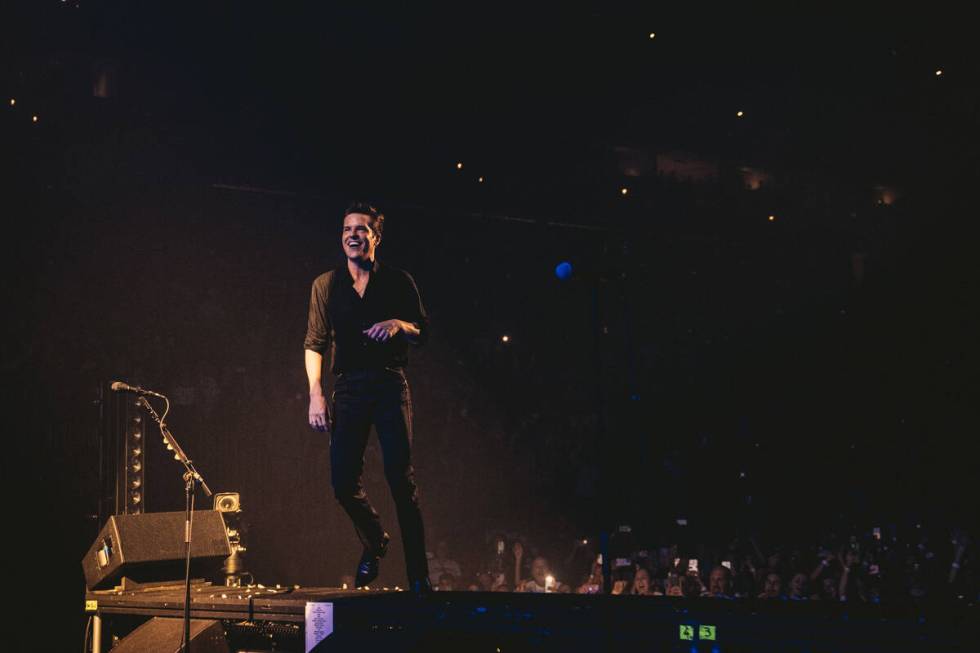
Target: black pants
{"x":381,"y":398}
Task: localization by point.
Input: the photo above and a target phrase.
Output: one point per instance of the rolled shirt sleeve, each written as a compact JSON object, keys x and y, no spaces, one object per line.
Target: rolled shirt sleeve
{"x":319,"y":334}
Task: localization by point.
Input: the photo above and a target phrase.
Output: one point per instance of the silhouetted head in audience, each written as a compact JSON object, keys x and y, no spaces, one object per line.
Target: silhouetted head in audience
{"x":720,"y":581}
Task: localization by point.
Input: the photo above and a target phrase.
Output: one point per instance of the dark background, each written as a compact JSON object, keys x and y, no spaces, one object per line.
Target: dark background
{"x":185,"y":182}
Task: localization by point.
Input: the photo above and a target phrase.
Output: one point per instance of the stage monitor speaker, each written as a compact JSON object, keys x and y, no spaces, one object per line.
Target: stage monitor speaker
{"x":163,"y":635}
{"x":150,"y":548}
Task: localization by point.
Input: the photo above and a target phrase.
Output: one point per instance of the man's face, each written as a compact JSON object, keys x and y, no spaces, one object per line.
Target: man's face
{"x":797,"y":584}
{"x":716,"y":582}
{"x":539,"y":570}
{"x":486,"y":581}
{"x":641,"y":581}
{"x":774,"y":585}
{"x":358,"y":237}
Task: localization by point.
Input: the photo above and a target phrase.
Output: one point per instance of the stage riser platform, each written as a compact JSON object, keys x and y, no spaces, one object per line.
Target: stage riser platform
{"x":470,"y":621}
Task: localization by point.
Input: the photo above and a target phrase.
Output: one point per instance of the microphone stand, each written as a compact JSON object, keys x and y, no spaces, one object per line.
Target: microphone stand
{"x":191,"y":478}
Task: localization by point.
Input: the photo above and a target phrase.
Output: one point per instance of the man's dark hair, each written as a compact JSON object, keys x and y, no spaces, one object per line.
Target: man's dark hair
{"x":690,"y":586}
{"x":365,"y":208}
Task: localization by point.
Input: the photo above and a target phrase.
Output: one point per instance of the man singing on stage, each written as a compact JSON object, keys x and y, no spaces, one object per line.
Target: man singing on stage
{"x":365,"y":315}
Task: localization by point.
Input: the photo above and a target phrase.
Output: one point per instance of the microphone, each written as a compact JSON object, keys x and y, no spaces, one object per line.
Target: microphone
{"x":119,"y":386}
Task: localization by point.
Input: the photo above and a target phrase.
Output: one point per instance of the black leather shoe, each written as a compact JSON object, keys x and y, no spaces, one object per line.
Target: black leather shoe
{"x":368,"y":567}
{"x":420,"y":588}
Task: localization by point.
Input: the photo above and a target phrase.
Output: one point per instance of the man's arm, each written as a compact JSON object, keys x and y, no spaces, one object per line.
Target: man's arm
{"x":319,"y":412}
{"x":414,"y":328}
{"x":316,"y":344}
{"x":383,"y":331}
{"x":314,"y":370}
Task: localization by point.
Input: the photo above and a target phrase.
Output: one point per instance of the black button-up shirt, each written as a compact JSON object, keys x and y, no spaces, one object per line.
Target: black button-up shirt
{"x":338,"y":316}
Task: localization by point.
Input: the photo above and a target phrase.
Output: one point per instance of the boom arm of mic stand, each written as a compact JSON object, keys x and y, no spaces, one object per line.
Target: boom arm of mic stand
{"x":172,"y":442}
{"x":182,"y":457}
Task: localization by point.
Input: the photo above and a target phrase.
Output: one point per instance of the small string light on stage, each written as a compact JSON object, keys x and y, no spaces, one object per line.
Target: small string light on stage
{"x":939,"y":72}
{"x":459,"y":165}
{"x":624,"y":191}
{"x":653,"y":35}
{"x":13,"y":102}
{"x":772,"y":218}
{"x":34,"y":118}
{"x":740,"y":114}
{"x":504,"y":339}
{"x":480,"y":180}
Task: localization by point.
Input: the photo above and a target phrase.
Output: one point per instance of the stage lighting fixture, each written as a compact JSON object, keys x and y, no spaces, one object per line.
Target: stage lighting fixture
{"x":135,"y":472}
{"x":230,"y":506}
{"x":227,"y":502}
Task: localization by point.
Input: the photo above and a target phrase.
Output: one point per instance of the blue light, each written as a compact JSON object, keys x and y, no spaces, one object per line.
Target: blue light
{"x":563,"y":270}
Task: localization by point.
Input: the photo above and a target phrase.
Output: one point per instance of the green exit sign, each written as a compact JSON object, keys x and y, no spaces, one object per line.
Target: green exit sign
{"x":704,"y":632}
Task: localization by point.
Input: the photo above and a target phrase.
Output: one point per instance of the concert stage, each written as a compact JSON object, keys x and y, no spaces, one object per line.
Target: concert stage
{"x":276,"y":619}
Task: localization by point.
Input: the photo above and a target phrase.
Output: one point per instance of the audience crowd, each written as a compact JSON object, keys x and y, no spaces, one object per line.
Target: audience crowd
{"x":876,"y":567}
